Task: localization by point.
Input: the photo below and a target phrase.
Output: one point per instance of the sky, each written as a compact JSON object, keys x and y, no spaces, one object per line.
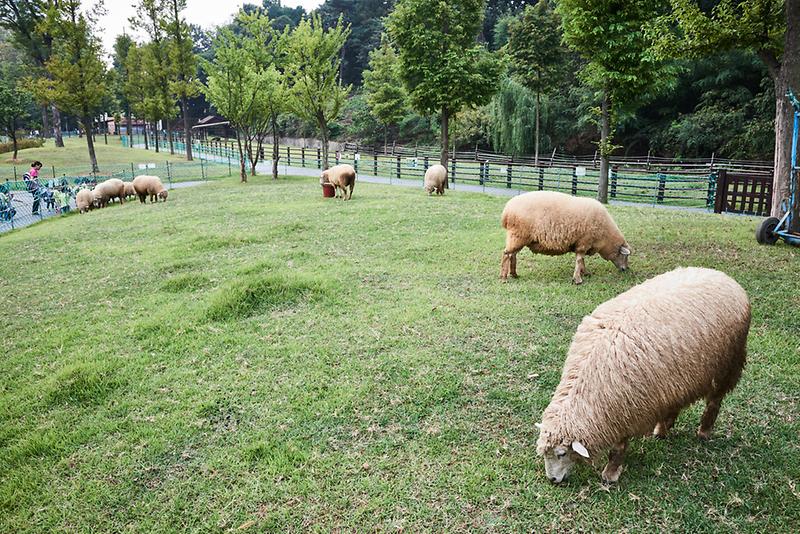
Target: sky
{"x":206,"y":13}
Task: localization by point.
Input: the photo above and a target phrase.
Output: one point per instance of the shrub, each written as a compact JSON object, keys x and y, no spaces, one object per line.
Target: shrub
{"x":21,"y":145}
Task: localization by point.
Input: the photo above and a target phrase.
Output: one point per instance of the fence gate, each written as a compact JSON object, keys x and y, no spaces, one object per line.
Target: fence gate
{"x":743,"y":193}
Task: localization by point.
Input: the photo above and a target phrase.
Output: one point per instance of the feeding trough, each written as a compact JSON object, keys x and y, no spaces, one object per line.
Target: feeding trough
{"x":787,"y":228}
{"x":328,"y":191}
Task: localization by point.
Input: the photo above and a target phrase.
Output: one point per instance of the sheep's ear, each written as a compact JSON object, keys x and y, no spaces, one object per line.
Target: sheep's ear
{"x":578,"y":447}
{"x":625,"y":251}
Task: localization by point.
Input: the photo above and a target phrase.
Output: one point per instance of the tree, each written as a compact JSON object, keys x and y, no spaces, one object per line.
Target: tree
{"x":513,"y":117}
{"x":535,"y":48}
{"x":25,"y":20}
{"x":76,"y":81}
{"x":769,"y":28}
{"x":383,"y":87}
{"x":15,"y":101}
{"x":122,"y":46}
{"x":312,"y":67}
{"x":182,"y":65}
{"x":619,"y":65}
{"x":443,"y":68}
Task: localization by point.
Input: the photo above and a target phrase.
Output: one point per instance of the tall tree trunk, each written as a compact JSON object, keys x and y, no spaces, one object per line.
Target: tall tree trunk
{"x":156,"y":135}
{"x":46,"y":133}
{"x":536,"y":140}
{"x":171,"y":141}
{"x":187,"y":130}
{"x":323,"y":127}
{"x":129,"y":127}
{"x":276,"y":153}
{"x":13,"y":133}
{"x":57,"y":126}
{"x":385,"y":138}
{"x":144,"y":131}
{"x":88,"y":126}
{"x":445,"y":157}
{"x":242,"y":167}
{"x":605,"y":148}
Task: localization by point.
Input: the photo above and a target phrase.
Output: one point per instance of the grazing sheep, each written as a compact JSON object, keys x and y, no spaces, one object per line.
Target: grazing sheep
{"x":85,"y":200}
{"x":129,"y":190}
{"x":149,"y":186}
{"x":109,"y":190}
{"x":341,"y":177}
{"x":638,"y":360}
{"x":554,"y":224}
{"x":436,"y":179}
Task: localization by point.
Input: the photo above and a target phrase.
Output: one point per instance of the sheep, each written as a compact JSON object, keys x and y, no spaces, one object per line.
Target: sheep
{"x":109,"y":190}
{"x":129,"y":190}
{"x":638,"y":360}
{"x":436,"y":179}
{"x":341,"y":177}
{"x":85,"y":200}
{"x":149,"y":186}
{"x":553,"y":224}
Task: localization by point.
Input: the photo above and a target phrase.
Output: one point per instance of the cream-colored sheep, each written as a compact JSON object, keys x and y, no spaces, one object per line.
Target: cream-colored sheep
{"x":554,"y":224}
{"x":129,"y":190}
{"x":436,"y":179}
{"x":106,"y":191}
{"x":341,"y":177}
{"x":638,"y":360}
{"x":85,"y":200}
{"x":149,"y":186}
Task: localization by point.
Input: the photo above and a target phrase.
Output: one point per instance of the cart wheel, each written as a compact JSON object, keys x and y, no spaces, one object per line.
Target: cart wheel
{"x":765,"y":233}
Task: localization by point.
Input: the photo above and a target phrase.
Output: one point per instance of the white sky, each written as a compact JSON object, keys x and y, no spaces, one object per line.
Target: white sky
{"x":206,"y":13}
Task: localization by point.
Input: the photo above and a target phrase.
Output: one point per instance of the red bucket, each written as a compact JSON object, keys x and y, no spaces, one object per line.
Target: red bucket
{"x":328,"y":191}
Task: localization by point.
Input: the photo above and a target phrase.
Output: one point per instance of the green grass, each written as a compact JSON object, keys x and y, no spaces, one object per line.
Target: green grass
{"x":255,"y":356}
{"x":113,"y":160}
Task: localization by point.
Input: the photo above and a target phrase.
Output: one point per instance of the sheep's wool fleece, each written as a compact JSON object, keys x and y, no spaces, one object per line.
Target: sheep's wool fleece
{"x":652,"y":350}
{"x":556,"y":222}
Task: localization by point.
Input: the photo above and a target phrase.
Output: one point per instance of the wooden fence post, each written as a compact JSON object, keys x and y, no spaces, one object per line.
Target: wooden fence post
{"x":614,"y":181}
{"x":722,"y":191}
{"x":662,"y":186}
{"x":574,"y":181}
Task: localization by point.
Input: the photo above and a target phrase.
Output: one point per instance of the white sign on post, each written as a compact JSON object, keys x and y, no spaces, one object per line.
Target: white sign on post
{"x":580,"y":171}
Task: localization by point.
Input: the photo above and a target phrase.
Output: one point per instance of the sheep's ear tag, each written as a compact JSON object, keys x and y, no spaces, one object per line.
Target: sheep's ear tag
{"x":625,"y":251}
{"x":578,"y":447}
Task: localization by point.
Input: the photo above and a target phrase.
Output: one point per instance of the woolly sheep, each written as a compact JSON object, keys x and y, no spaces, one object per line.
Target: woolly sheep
{"x":638,"y":360}
{"x":341,"y":177}
{"x":553,"y":224}
{"x":149,"y":186}
{"x":85,"y":200}
{"x":129,"y":190}
{"x":109,"y":190}
{"x":436,"y":179}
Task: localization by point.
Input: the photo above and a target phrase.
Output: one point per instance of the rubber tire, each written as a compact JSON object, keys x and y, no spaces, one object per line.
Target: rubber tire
{"x":765,"y":231}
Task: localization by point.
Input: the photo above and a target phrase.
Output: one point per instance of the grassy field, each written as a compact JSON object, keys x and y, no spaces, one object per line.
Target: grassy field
{"x":113,"y":159}
{"x":255,"y":358}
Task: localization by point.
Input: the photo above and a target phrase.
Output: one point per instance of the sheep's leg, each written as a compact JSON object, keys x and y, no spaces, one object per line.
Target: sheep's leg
{"x":580,"y":268}
{"x":713,"y":403}
{"x":663,"y":427}
{"x":613,"y":468}
{"x":514,"y":266}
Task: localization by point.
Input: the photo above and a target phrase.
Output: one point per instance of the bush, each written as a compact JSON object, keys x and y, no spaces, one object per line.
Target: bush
{"x":21,"y":144}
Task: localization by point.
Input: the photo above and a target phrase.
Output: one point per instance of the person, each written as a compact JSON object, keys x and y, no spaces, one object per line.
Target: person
{"x":31,"y":179}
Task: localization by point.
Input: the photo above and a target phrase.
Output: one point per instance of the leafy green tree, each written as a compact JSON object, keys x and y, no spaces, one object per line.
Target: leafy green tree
{"x":182,"y":64}
{"x":15,"y":100}
{"x":77,"y":73}
{"x":443,"y":67}
{"x":769,"y":28}
{"x":313,"y":59}
{"x":619,"y":65}
{"x":513,"y":118}
{"x":135,"y":87}
{"x":383,"y":88}
{"x":122,"y":46}
{"x":535,"y":48}
{"x":25,"y":19}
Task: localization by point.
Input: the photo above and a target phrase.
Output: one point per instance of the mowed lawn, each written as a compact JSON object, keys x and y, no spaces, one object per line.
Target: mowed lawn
{"x":256,"y":358}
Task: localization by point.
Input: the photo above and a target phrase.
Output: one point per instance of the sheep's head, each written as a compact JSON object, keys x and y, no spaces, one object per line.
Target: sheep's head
{"x":323,"y":178}
{"x":162,"y":195}
{"x":559,"y":458}
{"x":619,"y":256}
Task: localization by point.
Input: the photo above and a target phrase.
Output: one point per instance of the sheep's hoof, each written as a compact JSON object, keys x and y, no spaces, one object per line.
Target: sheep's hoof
{"x":611,"y":475}
{"x":578,"y":281}
{"x":514,"y":275}
{"x":704,"y":435}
